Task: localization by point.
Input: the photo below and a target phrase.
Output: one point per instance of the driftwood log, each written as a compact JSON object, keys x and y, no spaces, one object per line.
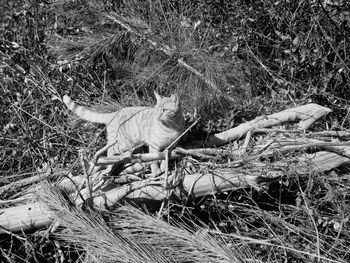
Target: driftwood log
{"x":223,"y":177}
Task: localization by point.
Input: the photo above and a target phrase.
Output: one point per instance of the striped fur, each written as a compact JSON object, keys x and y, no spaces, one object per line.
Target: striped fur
{"x":129,"y":127}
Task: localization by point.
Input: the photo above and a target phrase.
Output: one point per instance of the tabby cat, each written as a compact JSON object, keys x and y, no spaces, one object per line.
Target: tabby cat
{"x":157,"y":127}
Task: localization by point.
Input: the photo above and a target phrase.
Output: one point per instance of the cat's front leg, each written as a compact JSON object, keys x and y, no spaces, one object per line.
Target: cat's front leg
{"x":155,"y":165}
{"x":155,"y":168}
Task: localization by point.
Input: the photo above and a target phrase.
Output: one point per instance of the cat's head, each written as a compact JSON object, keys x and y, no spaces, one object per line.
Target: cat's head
{"x":167,"y":107}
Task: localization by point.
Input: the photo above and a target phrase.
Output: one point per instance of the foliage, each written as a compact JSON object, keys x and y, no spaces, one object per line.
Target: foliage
{"x":246,"y":58}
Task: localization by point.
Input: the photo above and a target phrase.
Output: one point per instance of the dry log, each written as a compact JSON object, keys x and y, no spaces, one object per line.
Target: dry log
{"x":25,"y":217}
{"x":193,"y":185}
{"x":36,"y":215}
{"x":325,"y":160}
{"x":306,"y":114}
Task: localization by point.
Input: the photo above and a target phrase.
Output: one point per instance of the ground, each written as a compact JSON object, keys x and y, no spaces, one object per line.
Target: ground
{"x":229,"y":62}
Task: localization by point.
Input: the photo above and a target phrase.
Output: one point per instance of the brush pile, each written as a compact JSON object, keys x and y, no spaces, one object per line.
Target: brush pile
{"x":261,"y":174}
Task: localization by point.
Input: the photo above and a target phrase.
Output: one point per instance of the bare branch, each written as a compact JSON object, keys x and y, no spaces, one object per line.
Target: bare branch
{"x":306,"y":114}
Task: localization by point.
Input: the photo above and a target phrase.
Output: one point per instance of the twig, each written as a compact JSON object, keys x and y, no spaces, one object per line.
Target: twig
{"x":327,"y":38}
{"x":98,"y":154}
{"x":202,"y":153}
{"x":167,"y":153}
{"x":14,"y":201}
{"x":111,"y":199}
{"x":10,"y":233}
{"x":263,"y":65}
{"x":330,"y":19}
{"x":246,"y":142}
{"x":178,"y":152}
{"x":324,"y":145}
{"x":165,"y":182}
{"x":198,"y":74}
{"x":312,"y":218}
{"x":345,"y":118}
{"x":86,"y":174}
{"x":182,"y":134}
{"x":276,"y":130}
{"x":135,"y":158}
{"x":59,"y":250}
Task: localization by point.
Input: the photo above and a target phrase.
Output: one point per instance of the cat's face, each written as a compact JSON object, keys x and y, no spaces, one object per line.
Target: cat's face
{"x":167,"y":107}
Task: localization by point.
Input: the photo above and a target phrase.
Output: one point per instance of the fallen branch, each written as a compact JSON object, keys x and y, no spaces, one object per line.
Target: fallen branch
{"x":25,"y":217}
{"x":329,"y":146}
{"x":306,"y":115}
{"x":149,"y":157}
{"x":134,"y":158}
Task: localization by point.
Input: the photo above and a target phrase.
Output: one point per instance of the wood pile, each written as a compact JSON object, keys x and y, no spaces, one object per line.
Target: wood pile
{"x":265,"y":153}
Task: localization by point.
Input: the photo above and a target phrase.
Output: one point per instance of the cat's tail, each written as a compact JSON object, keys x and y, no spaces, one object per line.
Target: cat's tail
{"x":87,"y":114}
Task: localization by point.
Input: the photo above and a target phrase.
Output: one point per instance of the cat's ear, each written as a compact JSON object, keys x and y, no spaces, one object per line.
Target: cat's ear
{"x":158,"y":97}
{"x":175,"y":98}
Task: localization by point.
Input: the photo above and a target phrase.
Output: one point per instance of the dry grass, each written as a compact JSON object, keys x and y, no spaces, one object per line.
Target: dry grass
{"x":251,"y":59}
{"x":127,"y":234}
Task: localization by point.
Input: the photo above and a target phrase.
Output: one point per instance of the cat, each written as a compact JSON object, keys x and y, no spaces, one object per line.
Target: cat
{"x":157,"y":127}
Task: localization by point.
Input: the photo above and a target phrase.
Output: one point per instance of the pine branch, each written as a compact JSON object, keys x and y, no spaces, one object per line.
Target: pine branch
{"x":165,"y":49}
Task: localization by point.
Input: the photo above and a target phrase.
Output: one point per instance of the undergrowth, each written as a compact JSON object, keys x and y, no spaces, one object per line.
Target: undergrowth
{"x":246,"y":58}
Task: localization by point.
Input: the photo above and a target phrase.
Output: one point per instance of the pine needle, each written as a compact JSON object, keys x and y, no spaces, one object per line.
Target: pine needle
{"x":130,"y":235}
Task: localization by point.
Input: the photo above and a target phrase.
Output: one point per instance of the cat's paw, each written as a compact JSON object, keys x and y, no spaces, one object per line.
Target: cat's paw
{"x":156,"y":171}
